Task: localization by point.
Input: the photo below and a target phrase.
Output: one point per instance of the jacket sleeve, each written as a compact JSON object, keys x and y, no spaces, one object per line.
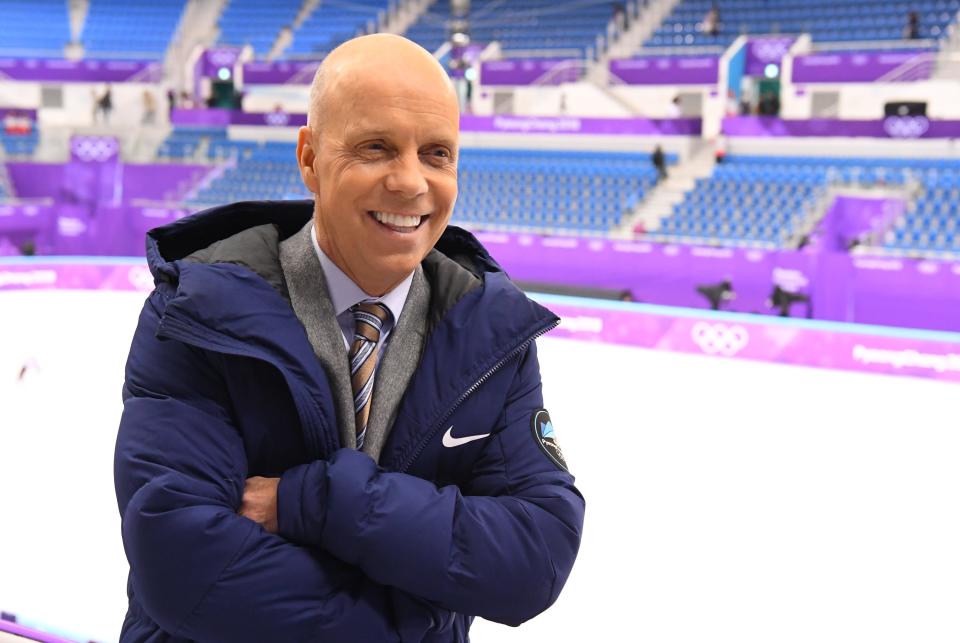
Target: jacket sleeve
{"x":500,"y":548}
{"x":200,"y":570}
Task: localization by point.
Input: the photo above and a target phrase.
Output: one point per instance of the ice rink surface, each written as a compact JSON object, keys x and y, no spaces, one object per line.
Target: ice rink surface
{"x":726,"y":500}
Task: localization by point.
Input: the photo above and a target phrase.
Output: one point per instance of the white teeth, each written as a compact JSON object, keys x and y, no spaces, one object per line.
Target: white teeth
{"x":397,"y":220}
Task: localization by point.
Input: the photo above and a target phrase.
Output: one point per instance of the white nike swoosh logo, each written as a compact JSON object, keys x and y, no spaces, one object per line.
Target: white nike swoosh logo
{"x":449,"y":441}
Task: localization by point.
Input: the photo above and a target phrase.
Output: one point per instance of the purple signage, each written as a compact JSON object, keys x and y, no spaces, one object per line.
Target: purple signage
{"x":799,"y":342}
{"x":864,"y":67}
{"x":81,"y":71}
{"x":850,"y":218}
{"x":468,"y":123}
{"x":903,"y":127}
{"x":133,"y":276}
{"x":213,"y":60}
{"x":214,"y":117}
{"x":530,"y":71}
{"x":766,"y":50}
{"x":851,"y":348}
{"x":575,"y":125}
{"x":94,"y":149}
{"x":667,"y":70}
{"x":280,"y":73}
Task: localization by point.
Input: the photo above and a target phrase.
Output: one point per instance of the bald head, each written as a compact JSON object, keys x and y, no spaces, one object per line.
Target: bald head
{"x":378,"y":59}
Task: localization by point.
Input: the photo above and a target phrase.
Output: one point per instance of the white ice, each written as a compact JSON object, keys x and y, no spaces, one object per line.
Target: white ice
{"x":726,"y":500}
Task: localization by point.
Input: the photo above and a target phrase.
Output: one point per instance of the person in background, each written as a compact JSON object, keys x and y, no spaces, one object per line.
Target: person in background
{"x":149,"y":108}
{"x":674,"y":109}
{"x":912,"y":30}
{"x":105,"y":105}
{"x":660,"y":162}
{"x":711,"y":21}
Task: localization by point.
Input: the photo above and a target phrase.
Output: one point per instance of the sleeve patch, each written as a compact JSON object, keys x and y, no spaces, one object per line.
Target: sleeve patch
{"x":542,"y":429}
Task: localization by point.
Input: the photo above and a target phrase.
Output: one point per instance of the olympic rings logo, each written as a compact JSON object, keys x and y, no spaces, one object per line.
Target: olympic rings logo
{"x":277,"y":119}
{"x":906,"y":126}
{"x":140,"y":278}
{"x":719,"y":339}
{"x":94,"y":148}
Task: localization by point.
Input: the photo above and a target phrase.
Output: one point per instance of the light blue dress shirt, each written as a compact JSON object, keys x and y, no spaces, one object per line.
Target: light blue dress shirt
{"x":344,"y":294}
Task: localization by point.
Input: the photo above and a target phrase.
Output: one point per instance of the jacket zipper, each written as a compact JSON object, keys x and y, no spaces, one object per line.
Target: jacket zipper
{"x":496,"y":367}
{"x":202,"y":338}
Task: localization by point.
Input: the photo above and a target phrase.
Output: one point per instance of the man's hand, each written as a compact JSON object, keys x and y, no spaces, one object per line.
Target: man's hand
{"x":260,"y":502}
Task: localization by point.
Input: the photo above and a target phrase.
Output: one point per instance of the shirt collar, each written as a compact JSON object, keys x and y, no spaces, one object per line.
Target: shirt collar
{"x":344,"y":293}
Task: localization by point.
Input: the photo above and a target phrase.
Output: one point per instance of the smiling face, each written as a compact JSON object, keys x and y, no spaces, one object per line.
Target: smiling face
{"x":381,"y":159}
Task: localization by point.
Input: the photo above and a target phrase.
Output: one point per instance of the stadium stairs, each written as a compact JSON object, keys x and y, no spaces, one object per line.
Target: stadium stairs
{"x":660,"y":201}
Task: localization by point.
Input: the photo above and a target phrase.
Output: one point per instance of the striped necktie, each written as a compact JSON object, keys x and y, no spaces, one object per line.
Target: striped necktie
{"x":368,"y":320}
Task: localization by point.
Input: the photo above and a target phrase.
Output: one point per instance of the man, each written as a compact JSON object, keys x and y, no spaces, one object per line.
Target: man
{"x":333,"y":425}
{"x":659,"y":160}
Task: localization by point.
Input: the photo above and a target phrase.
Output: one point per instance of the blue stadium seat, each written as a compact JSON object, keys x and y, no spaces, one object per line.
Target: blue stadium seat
{"x":332,"y":23}
{"x":825,"y":20}
{"x":256,"y":23}
{"x":760,"y":200}
{"x":535,"y":27}
{"x":122,"y":29}
{"x":32,"y":27}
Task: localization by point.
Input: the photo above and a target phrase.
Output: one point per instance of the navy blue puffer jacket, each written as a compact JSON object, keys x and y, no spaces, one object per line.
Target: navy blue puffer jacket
{"x":222,"y":384}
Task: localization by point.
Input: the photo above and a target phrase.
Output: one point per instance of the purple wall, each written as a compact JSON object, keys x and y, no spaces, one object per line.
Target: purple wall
{"x":74,"y":183}
{"x":853,"y":67}
{"x":529,"y":71}
{"x":903,"y":127}
{"x":32,"y":180}
{"x":92,"y":214}
{"x":667,"y":70}
{"x":161,"y":182}
{"x":575,"y":125}
{"x":81,"y":71}
{"x":891,"y":292}
{"x":280,"y":72}
{"x":216,"y":117}
{"x":851,"y":217}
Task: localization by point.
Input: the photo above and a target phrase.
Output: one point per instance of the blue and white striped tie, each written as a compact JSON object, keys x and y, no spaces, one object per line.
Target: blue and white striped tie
{"x":368,"y":320}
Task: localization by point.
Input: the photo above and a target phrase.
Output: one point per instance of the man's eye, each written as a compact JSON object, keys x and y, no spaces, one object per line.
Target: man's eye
{"x":440,"y":153}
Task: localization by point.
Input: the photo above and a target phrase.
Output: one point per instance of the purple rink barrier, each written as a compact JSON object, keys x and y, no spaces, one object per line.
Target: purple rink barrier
{"x":28,"y":634}
{"x":92,"y":273}
{"x":548,"y":71}
{"x":667,"y":70}
{"x":280,"y":72}
{"x":21,"y":223}
{"x":92,"y":214}
{"x":851,"y":217}
{"x":864,"y":290}
{"x":853,"y":67}
{"x":798,"y":342}
{"x":901,"y":127}
{"x":215,"y":117}
{"x":574,"y":125}
{"x":845,"y":347}
{"x":81,"y":71}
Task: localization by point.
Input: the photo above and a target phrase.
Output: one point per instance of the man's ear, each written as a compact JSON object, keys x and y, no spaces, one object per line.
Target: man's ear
{"x":306,"y":155}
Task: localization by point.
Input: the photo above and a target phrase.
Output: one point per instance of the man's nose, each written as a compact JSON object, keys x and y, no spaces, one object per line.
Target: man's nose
{"x":406,"y":176}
